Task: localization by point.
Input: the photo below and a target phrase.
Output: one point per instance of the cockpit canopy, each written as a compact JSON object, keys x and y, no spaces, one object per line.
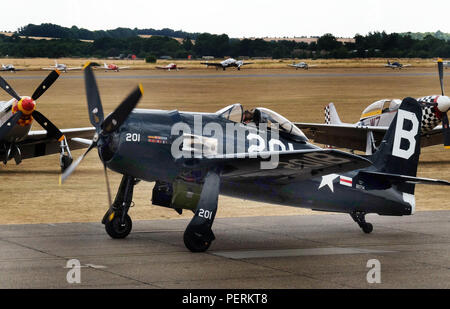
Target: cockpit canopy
{"x":274,"y":120}
{"x":380,"y":107}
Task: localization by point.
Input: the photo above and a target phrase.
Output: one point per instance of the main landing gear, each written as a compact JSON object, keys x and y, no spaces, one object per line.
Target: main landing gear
{"x":198,"y":235}
{"x":65,"y":158}
{"x":117,"y":222}
{"x":359,"y":217}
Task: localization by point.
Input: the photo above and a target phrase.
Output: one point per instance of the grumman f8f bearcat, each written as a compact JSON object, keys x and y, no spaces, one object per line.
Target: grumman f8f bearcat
{"x":16,"y":118}
{"x":368,"y":132}
{"x":254,"y":155}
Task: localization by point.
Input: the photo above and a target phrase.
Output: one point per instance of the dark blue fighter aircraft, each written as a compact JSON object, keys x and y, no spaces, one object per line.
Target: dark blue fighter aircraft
{"x":256,"y":155}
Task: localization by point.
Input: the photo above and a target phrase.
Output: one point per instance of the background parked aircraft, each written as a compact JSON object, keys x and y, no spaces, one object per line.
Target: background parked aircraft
{"x":62,"y":67}
{"x":230,"y":62}
{"x":10,"y":68}
{"x":301,"y":65}
{"x":169,"y":67}
{"x":396,"y":65}
{"x":113,"y":67}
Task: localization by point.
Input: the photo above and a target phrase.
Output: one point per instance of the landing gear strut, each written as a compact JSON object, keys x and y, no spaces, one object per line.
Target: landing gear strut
{"x":360,"y":218}
{"x":65,"y":158}
{"x":117,"y":222}
{"x":199,"y":235}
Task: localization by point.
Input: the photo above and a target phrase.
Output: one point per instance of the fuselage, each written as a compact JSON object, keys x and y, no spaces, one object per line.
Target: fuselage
{"x":382,"y":112}
{"x":144,"y":148}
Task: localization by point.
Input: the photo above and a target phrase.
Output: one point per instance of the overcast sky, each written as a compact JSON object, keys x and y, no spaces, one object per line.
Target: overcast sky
{"x":237,"y":18}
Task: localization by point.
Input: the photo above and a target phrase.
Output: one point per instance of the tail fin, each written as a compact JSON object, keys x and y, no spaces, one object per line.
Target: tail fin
{"x":399,"y":150}
{"x":331,"y":115}
{"x":397,"y":157}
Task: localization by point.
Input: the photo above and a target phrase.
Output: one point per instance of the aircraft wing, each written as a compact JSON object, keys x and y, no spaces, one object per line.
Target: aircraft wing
{"x":246,"y":63}
{"x":37,"y":143}
{"x":75,"y":68}
{"x":344,"y":135}
{"x":212,"y":64}
{"x":48,"y":69}
{"x":121,"y":68}
{"x":289,"y":165}
{"x":352,"y":136}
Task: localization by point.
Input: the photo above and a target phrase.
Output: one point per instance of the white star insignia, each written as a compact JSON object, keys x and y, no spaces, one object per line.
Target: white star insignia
{"x":327,"y":180}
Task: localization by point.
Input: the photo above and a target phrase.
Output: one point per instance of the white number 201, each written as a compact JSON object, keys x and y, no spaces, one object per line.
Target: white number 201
{"x":207,"y":214}
{"x":133,"y":137}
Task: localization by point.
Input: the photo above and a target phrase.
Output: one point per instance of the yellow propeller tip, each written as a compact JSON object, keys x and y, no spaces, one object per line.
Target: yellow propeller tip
{"x":439,"y":60}
{"x":60,"y":180}
{"x":141,"y":89}
{"x":447,"y":147}
{"x":58,"y":71}
{"x":86,"y":65}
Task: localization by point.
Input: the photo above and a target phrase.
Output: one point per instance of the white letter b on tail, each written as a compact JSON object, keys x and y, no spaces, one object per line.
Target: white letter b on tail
{"x":401,"y":133}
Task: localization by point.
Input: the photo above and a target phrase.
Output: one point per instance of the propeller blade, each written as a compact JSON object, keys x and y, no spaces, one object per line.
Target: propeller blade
{"x":46,"y":83}
{"x":5,"y":86}
{"x":441,"y":74}
{"x":74,"y":165}
{"x":93,"y":98}
{"x":446,"y":130}
{"x":9,"y":124}
{"x":120,"y":114}
{"x":52,"y":130}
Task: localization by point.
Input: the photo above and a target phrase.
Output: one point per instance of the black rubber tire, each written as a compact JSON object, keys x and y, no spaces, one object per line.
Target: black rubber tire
{"x":367,"y":228}
{"x":65,"y":162}
{"x":116,"y":230}
{"x":194,"y":243}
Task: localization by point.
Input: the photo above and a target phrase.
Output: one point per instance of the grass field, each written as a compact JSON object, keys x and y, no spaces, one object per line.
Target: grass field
{"x":30,"y":191}
{"x":36,"y":64}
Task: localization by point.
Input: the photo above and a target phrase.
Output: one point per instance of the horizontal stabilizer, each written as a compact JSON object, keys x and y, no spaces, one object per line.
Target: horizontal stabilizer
{"x":379,"y":178}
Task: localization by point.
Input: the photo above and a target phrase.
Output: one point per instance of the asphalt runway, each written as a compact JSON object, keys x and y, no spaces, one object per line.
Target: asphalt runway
{"x":315,"y":251}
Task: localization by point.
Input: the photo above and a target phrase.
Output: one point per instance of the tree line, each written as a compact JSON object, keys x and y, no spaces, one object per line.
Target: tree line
{"x":376,"y":44}
{"x":55,"y":31}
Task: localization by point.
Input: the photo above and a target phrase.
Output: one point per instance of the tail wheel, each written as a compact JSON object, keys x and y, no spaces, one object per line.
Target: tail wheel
{"x":118,"y":229}
{"x":367,"y":228}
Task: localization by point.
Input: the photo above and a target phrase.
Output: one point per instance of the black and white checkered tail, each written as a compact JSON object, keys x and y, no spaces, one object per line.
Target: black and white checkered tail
{"x":431,"y":116}
{"x":331,"y":115}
